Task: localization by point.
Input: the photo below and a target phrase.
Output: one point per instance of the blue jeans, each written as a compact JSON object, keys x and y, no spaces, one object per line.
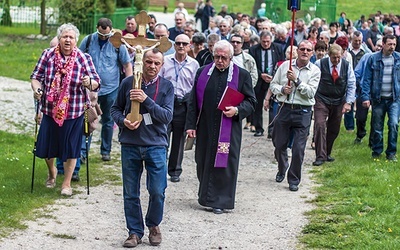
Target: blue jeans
{"x":60,"y":166}
{"x":379,"y":111}
{"x":348,"y":118}
{"x":154,"y":158}
{"x":105,"y":102}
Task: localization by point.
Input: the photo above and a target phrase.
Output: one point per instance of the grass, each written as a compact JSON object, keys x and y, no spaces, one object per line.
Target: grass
{"x":17,"y":203}
{"x":358,"y":201}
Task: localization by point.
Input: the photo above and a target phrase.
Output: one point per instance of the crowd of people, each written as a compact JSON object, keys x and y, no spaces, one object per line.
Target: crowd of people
{"x":337,"y":69}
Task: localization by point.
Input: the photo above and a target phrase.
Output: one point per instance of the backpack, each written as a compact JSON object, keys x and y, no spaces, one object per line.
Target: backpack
{"x":121,"y":68}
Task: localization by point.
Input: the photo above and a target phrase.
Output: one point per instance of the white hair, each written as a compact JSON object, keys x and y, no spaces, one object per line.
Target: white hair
{"x":222,"y":45}
{"x":67,"y":27}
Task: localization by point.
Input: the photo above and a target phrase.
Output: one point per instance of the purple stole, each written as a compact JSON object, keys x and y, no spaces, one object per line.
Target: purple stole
{"x":221,"y":159}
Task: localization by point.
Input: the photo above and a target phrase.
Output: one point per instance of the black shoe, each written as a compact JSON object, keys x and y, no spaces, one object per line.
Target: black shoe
{"x":175,"y":179}
{"x":259,"y":133}
{"x":375,"y":155}
{"x":218,"y":210}
{"x":269,"y":136}
{"x":106,"y":157}
{"x":391,"y":158}
{"x":279,"y":177}
{"x":330,"y":159}
{"x":318,"y":162}
{"x":75,"y":177}
{"x":357,"y":141}
{"x":293,"y":187}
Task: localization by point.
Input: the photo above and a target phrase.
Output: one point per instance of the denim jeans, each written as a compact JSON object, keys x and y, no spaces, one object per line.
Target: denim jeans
{"x":379,"y":111}
{"x":154,"y":158}
{"x":105,"y":102}
{"x":60,"y":166}
{"x":348,"y":118}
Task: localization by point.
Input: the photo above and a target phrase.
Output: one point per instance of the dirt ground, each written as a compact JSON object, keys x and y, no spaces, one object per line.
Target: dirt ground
{"x":266,"y":215}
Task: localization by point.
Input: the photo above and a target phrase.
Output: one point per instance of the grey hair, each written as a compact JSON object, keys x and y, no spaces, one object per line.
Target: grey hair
{"x":222,"y":45}
{"x":213,"y":38}
{"x":67,"y":27}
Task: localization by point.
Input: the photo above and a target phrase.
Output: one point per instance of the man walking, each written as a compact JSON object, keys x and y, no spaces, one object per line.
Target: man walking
{"x":266,"y":54}
{"x":381,"y":90}
{"x":335,"y":94}
{"x":106,"y":59}
{"x":180,"y":69}
{"x":218,"y":133}
{"x":294,"y":89}
{"x":144,"y":142}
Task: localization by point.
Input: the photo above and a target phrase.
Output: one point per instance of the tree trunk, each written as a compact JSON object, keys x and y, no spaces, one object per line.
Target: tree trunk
{"x":43,"y":21}
{"x":256,"y":6}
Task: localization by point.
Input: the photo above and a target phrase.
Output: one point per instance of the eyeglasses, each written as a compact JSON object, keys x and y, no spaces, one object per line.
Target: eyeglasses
{"x":181,"y":44}
{"x":236,"y":42}
{"x":304,"y":49}
{"x":223,"y":58}
{"x":104,"y":35}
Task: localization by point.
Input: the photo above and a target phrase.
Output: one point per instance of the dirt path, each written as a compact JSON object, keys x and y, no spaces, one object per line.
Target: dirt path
{"x":267,"y":215}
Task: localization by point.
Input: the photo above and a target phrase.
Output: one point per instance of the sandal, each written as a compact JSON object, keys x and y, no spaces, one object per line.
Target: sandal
{"x":50,"y":182}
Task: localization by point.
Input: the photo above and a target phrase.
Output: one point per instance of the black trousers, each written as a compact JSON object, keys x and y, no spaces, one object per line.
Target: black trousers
{"x":177,"y":141}
{"x":258,"y":112}
{"x":361,"y":119}
{"x":296,"y":120}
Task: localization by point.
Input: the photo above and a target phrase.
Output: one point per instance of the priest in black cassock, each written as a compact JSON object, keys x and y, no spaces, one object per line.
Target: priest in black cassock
{"x":218,"y":133}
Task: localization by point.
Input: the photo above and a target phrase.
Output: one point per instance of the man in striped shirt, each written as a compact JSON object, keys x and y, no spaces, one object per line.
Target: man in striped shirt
{"x":381,"y":89}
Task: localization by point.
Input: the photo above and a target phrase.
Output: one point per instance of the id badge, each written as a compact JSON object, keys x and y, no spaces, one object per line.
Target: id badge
{"x":147,"y":119}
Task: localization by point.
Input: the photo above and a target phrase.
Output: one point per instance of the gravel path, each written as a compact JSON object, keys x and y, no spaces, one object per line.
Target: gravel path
{"x":267,"y":215}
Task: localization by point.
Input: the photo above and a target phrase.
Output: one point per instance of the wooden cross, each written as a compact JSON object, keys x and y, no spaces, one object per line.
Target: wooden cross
{"x":138,"y":43}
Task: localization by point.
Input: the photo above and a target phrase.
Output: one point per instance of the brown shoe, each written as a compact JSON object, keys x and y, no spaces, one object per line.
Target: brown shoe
{"x":132,"y":241}
{"x":154,"y":236}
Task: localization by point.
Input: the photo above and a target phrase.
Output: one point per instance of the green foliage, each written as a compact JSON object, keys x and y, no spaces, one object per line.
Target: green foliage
{"x":6,"y":17}
{"x":105,"y":6}
{"x":140,"y":4}
{"x":78,"y":12}
{"x":124,"y":3}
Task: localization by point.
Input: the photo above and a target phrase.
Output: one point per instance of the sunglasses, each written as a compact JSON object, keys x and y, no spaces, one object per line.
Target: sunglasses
{"x":181,"y":44}
{"x":223,"y":58}
{"x":304,"y":49}
{"x":104,"y":35}
{"x":236,"y":42}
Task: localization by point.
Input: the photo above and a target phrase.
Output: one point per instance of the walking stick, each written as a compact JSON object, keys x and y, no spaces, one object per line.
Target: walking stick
{"x":87,"y":134}
{"x":37,"y":102}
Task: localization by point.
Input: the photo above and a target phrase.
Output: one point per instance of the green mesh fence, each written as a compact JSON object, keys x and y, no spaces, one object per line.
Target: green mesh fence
{"x":277,"y":10}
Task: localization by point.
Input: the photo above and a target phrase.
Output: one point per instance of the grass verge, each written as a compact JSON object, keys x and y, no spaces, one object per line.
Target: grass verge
{"x":357,"y":202}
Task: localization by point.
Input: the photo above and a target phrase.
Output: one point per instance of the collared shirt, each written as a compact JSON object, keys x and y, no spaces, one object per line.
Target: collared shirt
{"x":45,"y":72}
{"x":302,"y":94}
{"x":181,"y":74}
{"x":351,"y":79}
{"x":106,"y":59}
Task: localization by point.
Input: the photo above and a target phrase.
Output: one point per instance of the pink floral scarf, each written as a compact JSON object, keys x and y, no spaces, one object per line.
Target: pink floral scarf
{"x":59,"y":88}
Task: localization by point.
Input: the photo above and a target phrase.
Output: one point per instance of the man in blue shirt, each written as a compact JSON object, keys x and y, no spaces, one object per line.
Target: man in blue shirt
{"x":107,"y":60}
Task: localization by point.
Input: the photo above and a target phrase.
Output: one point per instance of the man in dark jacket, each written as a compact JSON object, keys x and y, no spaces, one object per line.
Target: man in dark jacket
{"x":266,"y":54}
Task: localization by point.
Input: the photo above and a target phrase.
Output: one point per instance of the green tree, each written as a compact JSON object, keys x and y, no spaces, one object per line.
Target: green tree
{"x":78,"y":12}
{"x":6,"y":17}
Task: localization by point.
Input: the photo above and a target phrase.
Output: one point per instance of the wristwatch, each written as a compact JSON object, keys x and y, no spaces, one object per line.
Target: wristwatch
{"x":237,"y":111}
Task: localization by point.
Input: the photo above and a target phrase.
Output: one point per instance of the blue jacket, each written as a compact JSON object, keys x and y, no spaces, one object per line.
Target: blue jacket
{"x":371,"y":82}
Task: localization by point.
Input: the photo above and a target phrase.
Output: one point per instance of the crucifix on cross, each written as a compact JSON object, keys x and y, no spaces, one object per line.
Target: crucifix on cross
{"x":140,"y":45}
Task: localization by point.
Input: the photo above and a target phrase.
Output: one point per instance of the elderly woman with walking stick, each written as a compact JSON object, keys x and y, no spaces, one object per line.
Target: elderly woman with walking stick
{"x":63,"y":73}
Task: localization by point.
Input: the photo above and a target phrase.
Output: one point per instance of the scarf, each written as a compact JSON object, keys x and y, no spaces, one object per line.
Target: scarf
{"x":59,"y":89}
